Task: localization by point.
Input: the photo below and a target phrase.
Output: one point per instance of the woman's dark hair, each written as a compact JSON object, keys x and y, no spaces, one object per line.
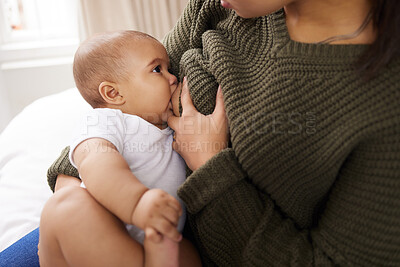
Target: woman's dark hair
{"x":386,"y":19}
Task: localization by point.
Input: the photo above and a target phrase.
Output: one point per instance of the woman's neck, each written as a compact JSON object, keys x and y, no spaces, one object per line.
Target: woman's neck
{"x":312,"y":21}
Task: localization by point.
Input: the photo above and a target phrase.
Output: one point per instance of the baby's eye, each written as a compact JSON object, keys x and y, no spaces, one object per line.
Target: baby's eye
{"x":157,"y":69}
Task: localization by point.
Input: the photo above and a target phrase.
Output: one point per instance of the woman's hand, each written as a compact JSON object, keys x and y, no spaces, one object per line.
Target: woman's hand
{"x":198,"y":137}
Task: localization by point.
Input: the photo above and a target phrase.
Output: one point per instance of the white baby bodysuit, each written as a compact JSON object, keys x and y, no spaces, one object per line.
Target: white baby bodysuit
{"x":147,"y":150}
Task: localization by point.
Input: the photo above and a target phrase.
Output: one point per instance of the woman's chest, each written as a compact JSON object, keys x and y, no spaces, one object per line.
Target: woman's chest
{"x":292,"y":134}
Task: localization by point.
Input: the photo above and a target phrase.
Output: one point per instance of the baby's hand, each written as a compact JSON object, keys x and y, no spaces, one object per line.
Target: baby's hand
{"x":158,"y":210}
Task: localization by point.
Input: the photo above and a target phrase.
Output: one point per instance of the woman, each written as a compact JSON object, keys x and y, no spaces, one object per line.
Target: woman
{"x":312,"y":98}
{"x":311,"y":92}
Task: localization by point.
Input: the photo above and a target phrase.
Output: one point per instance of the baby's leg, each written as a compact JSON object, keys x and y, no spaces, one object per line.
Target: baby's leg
{"x":164,"y":253}
{"x":76,"y":230}
{"x":170,"y":253}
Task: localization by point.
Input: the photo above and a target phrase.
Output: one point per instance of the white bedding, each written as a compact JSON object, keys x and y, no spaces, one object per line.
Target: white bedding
{"x":28,"y":146}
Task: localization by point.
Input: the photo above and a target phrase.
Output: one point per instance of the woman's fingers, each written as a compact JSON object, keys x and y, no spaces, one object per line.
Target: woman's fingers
{"x":175,"y":147}
{"x":219,"y":110}
{"x":173,"y":122}
{"x":198,"y":137}
{"x":186,"y":100}
{"x":187,"y":107}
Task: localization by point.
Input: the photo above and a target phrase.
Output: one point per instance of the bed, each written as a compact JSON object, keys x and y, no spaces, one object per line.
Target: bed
{"x":28,"y":146}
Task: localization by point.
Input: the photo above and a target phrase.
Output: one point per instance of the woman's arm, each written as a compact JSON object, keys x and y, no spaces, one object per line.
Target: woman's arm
{"x":181,"y":37}
{"x":359,"y":225}
{"x":61,"y":166}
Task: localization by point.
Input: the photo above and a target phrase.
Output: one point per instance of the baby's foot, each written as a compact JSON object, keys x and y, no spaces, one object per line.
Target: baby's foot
{"x":162,"y":253}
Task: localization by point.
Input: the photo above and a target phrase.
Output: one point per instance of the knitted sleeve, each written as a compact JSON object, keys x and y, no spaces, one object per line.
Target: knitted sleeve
{"x":177,"y":42}
{"x":235,"y":222}
{"x":186,"y":34}
{"x":61,"y":165}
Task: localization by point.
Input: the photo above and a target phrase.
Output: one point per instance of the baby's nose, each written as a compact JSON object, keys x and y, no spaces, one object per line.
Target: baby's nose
{"x":173,"y":80}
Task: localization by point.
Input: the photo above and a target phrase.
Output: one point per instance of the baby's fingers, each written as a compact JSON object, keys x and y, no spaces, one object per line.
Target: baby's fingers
{"x":152,"y":235}
{"x":174,"y":204}
{"x":171,"y":215}
{"x":167,"y":229}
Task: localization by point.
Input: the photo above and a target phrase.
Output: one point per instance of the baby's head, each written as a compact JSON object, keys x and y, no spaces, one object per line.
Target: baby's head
{"x":103,"y":57}
{"x":126,"y":70}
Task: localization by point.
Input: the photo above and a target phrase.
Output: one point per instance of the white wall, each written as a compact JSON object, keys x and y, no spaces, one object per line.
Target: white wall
{"x":29,"y":71}
{"x":37,"y":60}
{"x":24,"y":82}
{"x":4,"y":105}
{"x":27,"y":81}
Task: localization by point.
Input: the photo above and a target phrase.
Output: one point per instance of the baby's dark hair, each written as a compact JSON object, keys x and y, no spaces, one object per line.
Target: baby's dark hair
{"x":102,"y":58}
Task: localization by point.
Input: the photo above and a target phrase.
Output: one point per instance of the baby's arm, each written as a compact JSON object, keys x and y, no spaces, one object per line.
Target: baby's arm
{"x":110,"y":181}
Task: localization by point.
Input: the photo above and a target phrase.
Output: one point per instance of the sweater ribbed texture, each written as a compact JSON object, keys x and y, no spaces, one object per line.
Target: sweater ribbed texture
{"x":61,"y":166}
{"x":313,"y":174}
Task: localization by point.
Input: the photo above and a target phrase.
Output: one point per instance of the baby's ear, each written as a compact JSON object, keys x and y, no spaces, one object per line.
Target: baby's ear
{"x":110,"y":93}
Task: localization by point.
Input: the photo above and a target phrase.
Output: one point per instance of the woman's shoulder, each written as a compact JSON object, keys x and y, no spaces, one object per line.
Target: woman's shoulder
{"x":211,"y":15}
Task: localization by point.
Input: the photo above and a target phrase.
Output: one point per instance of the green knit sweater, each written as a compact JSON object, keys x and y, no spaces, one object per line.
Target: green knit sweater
{"x":313,"y":174}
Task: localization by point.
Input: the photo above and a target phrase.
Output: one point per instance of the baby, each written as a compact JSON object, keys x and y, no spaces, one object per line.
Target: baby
{"x":123,"y":152}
